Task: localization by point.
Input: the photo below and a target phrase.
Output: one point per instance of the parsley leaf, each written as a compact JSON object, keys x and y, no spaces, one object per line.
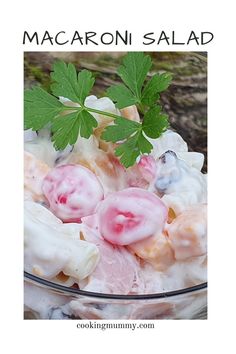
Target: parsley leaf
{"x":67,"y":128}
{"x":157,"y":84}
{"x":135,"y":143}
{"x":132,"y":148}
{"x":133,"y":73}
{"x":121,"y":95}
{"x":150,"y":95}
{"x":155,"y":122}
{"x":163,"y":81}
{"x":68,"y":84}
{"x":39,"y":108}
{"x":86,"y":124}
{"x":121,"y":130}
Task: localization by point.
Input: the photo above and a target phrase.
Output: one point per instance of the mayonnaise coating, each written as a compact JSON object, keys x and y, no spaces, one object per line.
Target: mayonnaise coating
{"x":178,"y":184}
{"x":171,"y":140}
{"x":130,"y":215}
{"x":52,"y":247}
{"x":72,"y":191}
{"x":41,"y":146}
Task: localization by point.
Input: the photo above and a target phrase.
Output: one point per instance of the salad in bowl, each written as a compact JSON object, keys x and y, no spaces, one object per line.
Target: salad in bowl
{"x":115,"y":204}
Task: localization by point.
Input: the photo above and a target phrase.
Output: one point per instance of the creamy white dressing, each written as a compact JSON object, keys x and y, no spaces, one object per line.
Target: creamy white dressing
{"x":53,"y":247}
{"x":170,"y":140}
{"x":179,"y":184}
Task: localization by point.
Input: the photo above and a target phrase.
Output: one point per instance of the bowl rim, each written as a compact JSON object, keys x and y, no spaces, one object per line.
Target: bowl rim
{"x":73,"y":291}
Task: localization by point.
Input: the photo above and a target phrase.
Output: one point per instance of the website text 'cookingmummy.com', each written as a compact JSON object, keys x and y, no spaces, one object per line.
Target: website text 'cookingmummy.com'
{"x":115,"y":325}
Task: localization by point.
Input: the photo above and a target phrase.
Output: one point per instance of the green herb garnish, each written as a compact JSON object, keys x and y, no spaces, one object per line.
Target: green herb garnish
{"x":67,"y":123}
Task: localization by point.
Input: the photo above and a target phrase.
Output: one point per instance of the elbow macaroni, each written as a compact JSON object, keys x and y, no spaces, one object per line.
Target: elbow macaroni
{"x":52,"y":247}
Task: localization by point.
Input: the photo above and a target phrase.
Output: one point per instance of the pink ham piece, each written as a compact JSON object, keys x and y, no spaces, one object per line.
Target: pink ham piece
{"x":131,"y":215}
{"x":147,"y":167}
{"x":117,"y":271}
{"x":142,"y":173}
{"x":73,"y":191}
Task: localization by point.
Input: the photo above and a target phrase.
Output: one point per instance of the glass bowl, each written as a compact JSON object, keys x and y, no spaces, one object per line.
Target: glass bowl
{"x":47,"y":300}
